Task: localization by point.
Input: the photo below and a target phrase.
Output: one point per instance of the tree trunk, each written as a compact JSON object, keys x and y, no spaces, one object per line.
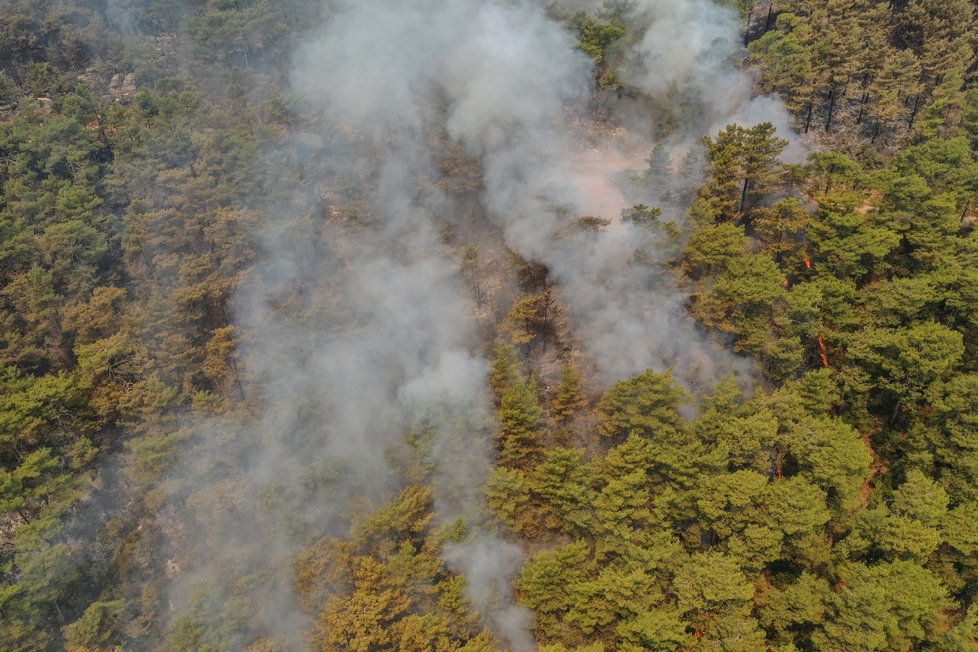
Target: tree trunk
{"x":770,"y":12}
{"x":58,"y":609}
{"x":12,"y":69}
{"x":808,"y":114}
{"x":896,"y":411}
{"x":862,"y":108}
{"x":913,"y":112}
{"x":828,"y":120}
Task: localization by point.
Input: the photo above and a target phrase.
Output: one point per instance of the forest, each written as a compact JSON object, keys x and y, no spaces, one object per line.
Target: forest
{"x":557,"y":325}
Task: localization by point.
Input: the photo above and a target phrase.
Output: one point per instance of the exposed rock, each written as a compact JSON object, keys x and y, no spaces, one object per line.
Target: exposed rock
{"x":122,"y":86}
{"x":90,"y":78}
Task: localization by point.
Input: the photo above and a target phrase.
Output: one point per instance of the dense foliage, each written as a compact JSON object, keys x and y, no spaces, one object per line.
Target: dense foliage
{"x":871,"y":68}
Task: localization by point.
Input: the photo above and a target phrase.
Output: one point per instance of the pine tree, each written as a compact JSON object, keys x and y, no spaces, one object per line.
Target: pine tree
{"x":504,"y":371}
{"x":761,"y":167}
{"x":521,"y":425}
{"x":570,"y":398}
{"x":724,"y":155}
{"x":646,"y":404}
{"x":658,"y":175}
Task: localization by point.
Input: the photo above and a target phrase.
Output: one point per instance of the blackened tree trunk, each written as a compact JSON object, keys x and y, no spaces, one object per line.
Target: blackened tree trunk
{"x":828,"y":119}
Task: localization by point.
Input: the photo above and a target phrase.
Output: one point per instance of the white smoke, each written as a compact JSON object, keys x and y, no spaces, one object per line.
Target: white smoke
{"x":357,"y":330}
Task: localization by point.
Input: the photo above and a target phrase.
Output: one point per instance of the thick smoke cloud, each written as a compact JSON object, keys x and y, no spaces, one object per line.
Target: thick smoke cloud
{"x":686,"y":50}
{"x":360,"y":332}
{"x":626,"y":309}
{"x":394,"y":77}
{"x":501,"y":77}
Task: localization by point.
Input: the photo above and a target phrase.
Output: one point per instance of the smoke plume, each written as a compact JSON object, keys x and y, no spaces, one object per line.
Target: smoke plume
{"x":356,"y":329}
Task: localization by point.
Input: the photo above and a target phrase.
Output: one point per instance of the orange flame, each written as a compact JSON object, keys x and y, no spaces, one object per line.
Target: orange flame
{"x":786,"y":281}
{"x":822,"y":353}
{"x":808,"y":262}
